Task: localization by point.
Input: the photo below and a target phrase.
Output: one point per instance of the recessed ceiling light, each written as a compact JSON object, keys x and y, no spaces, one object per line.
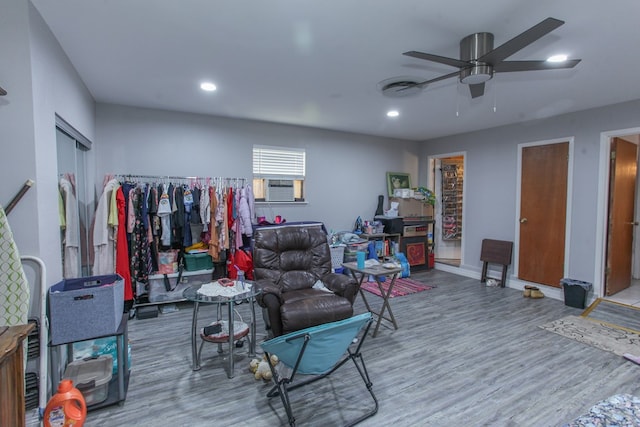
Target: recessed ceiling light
{"x":209,"y":87}
{"x":393,"y":113}
{"x":557,"y":58}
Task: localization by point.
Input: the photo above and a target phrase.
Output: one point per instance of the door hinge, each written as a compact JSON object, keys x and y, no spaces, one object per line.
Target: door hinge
{"x":613,"y":155}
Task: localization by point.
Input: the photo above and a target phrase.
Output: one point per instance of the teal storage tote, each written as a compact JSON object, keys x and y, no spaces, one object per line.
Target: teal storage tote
{"x":199,"y":261}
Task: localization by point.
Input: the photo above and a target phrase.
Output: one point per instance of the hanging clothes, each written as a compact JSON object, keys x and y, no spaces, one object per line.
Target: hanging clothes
{"x":214,"y":237}
{"x":196,"y":221}
{"x":14,"y":287}
{"x":246,"y":212}
{"x":164,"y":213}
{"x":71,"y":240}
{"x":187,"y":239}
{"x":104,"y":231}
{"x":122,"y":247}
{"x":139,"y":253}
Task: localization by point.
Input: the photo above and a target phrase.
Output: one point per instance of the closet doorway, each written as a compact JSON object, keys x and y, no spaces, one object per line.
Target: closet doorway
{"x":621,"y":244}
{"x":446,"y":180}
{"x":77,"y":202}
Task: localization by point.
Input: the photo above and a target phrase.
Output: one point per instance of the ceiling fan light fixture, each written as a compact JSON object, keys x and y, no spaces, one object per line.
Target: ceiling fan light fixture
{"x":472,"y":47}
{"x":476,"y":74}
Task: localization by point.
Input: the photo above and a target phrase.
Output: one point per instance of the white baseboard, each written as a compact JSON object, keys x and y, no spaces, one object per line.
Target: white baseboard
{"x":512,"y":282}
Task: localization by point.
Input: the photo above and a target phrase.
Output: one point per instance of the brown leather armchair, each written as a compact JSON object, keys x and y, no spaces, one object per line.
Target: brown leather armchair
{"x":288,"y":261}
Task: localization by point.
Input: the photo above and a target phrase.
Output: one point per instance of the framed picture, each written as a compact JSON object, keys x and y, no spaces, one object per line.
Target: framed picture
{"x":397,"y":180}
{"x":416,"y":254}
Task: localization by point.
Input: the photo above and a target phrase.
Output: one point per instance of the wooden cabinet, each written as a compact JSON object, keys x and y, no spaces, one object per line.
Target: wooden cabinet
{"x":12,"y":405}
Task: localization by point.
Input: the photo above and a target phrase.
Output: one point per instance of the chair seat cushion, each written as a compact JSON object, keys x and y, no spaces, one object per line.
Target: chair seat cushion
{"x":311,"y":309}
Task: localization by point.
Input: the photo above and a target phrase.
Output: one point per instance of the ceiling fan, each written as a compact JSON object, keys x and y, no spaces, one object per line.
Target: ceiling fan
{"x":479,"y":61}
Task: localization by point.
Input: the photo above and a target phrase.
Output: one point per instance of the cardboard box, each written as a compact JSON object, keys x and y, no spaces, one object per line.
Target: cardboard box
{"x":413,"y":208}
{"x":85,"y":308}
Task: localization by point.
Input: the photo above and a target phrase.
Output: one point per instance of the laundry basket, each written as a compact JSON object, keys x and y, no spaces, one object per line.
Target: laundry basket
{"x":337,"y":256}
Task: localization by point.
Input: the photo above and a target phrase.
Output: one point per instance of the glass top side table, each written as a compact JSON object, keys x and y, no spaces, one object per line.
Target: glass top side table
{"x":193,"y":294}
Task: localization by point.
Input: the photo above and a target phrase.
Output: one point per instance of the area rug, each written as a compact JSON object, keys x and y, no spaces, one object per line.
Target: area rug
{"x":618,"y":410}
{"x":400,"y":288}
{"x":596,"y":333}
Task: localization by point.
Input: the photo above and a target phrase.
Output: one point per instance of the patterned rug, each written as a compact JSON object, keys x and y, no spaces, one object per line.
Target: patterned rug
{"x":596,"y":333}
{"x":400,"y":288}
{"x":618,"y":410}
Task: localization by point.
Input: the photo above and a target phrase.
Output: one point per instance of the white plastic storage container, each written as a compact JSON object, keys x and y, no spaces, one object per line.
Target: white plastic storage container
{"x":91,"y":376}
{"x":158,"y":292}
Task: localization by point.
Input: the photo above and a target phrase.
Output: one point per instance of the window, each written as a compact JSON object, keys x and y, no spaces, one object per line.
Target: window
{"x":278,"y":174}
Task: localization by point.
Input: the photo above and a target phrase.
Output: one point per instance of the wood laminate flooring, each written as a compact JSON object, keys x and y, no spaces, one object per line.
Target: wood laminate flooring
{"x":464,"y":354}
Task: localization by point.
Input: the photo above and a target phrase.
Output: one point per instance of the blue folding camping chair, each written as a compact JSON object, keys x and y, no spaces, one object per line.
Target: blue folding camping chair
{"x":319,"y":351}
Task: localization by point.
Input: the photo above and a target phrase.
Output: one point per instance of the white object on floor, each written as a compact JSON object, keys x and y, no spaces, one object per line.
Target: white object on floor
{"x":635,"y":359}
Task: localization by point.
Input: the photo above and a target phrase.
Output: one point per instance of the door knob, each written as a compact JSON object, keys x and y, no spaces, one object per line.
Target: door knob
{"x":632,"y":223}
{"x":523,"y":220}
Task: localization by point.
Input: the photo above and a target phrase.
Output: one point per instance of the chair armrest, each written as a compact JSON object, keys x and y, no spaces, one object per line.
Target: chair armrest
{"x":267,"y":287}
{"x":342,"y":285}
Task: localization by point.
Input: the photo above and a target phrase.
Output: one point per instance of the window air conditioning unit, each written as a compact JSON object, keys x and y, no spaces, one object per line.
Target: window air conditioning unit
{"x":280,"y":190}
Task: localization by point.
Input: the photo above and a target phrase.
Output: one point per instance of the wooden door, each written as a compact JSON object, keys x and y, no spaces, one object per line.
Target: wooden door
{"x":622,"y":190}
{"x":543,"y":209}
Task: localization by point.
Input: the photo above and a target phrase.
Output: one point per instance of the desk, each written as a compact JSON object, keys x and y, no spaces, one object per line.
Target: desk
{"x":118,"y":386}
{"x":192,"y":294}
{"x":376,"y":271}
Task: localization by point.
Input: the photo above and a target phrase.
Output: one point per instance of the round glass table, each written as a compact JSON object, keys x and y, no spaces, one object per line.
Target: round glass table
{"x":230,"y":330}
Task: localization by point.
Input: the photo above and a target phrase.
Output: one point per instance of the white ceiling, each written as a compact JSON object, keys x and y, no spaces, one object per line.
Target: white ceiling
{"x":318,"y":63}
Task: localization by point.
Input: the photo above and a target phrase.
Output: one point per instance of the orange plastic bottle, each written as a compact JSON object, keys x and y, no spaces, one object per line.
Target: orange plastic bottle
{"x":66,"y":408}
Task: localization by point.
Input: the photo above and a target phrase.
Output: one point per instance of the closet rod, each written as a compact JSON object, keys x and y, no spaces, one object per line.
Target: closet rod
{"x":177,"y":177}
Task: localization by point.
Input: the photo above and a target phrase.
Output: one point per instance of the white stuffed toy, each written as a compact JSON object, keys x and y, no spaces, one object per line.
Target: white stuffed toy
{"x":260,"y":368}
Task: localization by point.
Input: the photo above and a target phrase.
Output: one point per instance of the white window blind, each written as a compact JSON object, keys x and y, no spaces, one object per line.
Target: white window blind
{"x":269,"y":162}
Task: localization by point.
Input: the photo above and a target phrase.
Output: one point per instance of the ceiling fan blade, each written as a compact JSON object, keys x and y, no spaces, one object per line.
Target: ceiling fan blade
{"x":2,"y":92}
{"x":436,"y":58}
{"x":427,"y":82}
{"x":508,"y":66}
{"x":520,"y":41}
{"x":437,"y":79}
{"x":476,"y":90}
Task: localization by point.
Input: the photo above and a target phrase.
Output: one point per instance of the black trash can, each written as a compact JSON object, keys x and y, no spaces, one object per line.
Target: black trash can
{"x":575,"y":292}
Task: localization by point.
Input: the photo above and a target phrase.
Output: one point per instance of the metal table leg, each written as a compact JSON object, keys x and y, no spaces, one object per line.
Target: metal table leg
{"x":231,"y":340}
{"x":385,"y":304}
{"x":194,"y":343}
{"x":252,"y":342}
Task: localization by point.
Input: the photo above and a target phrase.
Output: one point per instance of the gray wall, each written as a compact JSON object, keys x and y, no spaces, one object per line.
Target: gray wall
{"x":40,"y":82}
{"x":491,"y":175}
{"x":345,"y":172}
